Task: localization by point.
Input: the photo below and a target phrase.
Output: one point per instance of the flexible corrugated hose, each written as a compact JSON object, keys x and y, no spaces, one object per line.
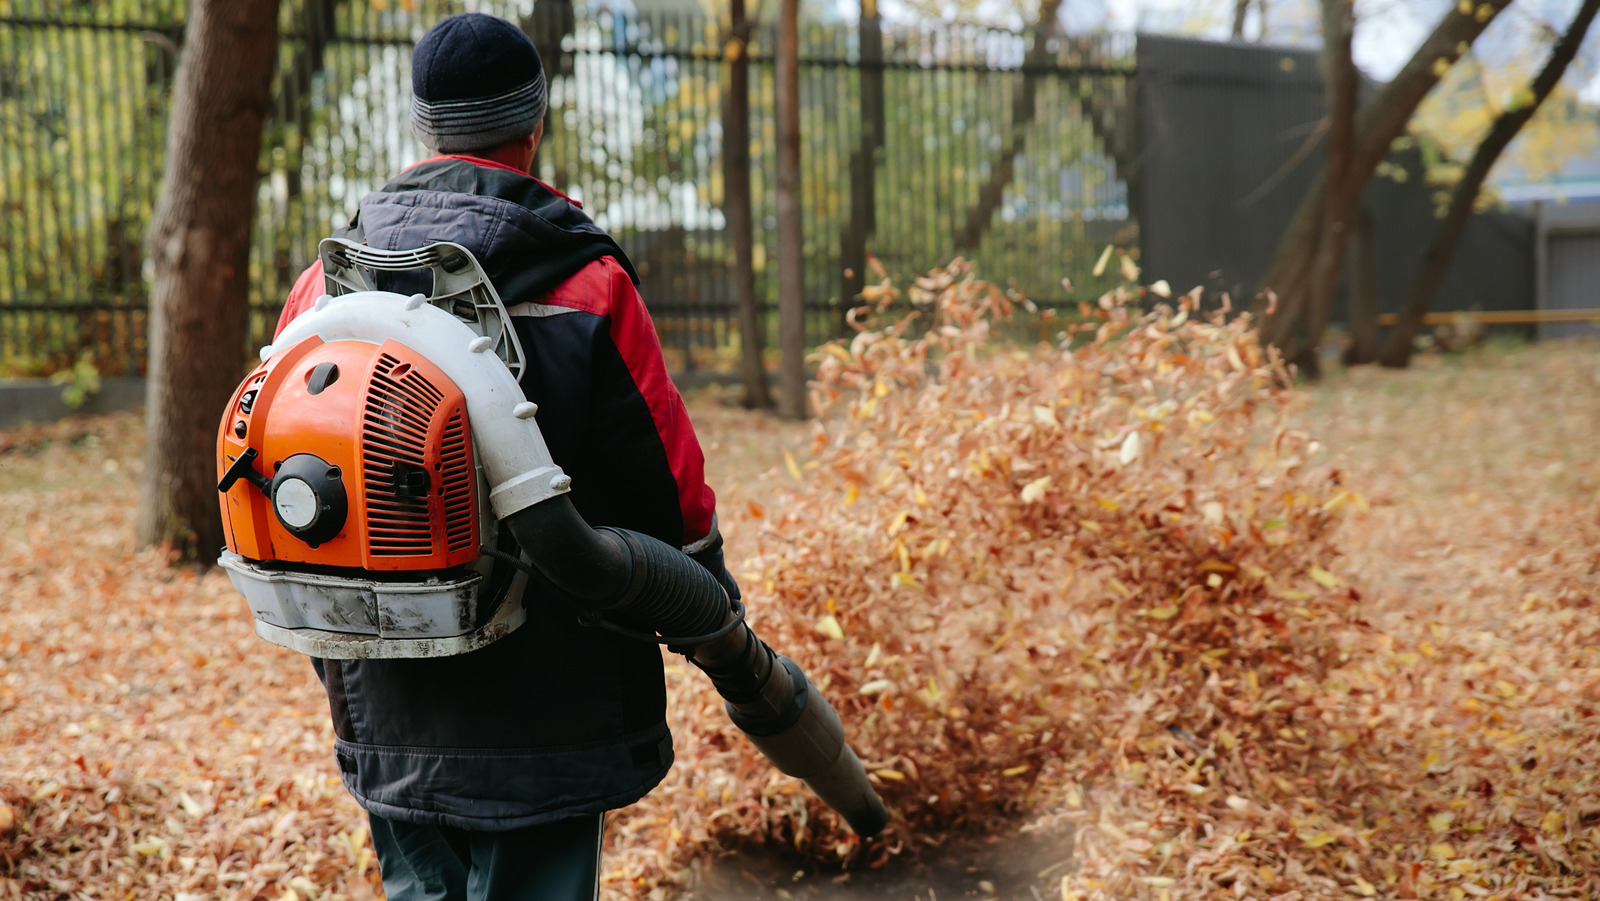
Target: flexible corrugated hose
{"x":767,"y":696}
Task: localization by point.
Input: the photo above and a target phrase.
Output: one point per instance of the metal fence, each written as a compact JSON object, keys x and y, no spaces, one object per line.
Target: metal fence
{"x":1002,"y":147}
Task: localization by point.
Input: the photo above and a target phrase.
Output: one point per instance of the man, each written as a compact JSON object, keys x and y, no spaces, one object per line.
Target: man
{"x":486,"y":776}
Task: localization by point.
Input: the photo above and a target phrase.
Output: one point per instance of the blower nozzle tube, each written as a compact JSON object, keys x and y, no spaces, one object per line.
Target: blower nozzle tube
{"x":766,"y":695}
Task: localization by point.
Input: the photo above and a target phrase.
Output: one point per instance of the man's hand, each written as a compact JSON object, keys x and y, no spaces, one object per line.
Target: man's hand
{"x":710,"y":557}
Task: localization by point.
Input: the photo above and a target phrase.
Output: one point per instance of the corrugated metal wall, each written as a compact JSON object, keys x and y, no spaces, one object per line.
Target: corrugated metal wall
{"x":1229,"y":144}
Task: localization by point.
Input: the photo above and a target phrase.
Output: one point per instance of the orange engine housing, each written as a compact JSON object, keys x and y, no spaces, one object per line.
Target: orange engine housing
{"x":392,"y":430}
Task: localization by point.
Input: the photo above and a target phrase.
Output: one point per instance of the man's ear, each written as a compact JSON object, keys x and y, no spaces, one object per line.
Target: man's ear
{"x":533,"y":141}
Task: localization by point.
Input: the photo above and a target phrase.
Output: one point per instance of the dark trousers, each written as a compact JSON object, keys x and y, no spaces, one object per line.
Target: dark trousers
{"x":555,"y":862}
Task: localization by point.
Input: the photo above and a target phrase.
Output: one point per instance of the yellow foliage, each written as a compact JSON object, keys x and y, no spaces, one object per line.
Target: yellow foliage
{"x":1459,"y":111}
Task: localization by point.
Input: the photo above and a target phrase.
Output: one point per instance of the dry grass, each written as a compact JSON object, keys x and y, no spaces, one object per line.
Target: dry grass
{"x":150,"y":746}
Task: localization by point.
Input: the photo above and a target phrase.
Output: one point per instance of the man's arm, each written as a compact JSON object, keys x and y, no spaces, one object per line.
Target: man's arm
{"x":612,"y":416}
{"x":634,"y":335}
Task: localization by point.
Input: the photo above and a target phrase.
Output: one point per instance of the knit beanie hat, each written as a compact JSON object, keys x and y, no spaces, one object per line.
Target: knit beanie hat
{"x":476,"y":83}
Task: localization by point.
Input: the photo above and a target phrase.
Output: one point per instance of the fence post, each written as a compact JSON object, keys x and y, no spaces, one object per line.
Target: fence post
{"x":737,"y":210}
{"x":547,"y":25}
{"x":791,"y":243}
{"x":864,"y":163}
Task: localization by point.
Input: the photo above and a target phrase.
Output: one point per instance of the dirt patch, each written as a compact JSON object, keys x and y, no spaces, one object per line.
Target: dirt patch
{"x":1021,"y":866}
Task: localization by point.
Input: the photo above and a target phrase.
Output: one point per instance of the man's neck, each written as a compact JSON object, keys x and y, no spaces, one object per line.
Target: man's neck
{"x":512,"y":156}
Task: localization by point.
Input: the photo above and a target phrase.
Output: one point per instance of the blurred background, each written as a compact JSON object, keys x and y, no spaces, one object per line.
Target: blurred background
{"x":1026,"y":138}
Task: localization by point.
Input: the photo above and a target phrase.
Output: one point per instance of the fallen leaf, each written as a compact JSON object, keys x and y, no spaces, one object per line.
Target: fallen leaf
{"x":1100,"y":264}
{"x":1130,"y":449}
{"x":1034,"y":491}
{"x":1554,"y":822}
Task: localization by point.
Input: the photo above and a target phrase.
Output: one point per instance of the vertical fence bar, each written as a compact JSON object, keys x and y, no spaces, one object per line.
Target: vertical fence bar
{"x":102,"y":315}
{"x":33,"y":206}
{"x":116,"y":247}
{"x":8,"y":203}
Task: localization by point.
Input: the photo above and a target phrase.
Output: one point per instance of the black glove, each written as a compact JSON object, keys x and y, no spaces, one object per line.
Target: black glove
{"x":710,"y":557}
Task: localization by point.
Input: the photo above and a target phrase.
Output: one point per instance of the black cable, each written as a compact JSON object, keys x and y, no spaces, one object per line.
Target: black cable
{"x":593,"y":618}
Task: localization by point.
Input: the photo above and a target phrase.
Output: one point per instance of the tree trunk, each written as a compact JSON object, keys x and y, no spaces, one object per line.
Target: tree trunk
{"x":1363,"y":292}
{"x":737,"y":209}
{"x":1340,"y":79}
{"x":1397,"y":353}
{"x":864,"y":162}
{"x":791,"y":242}
{"x":992,"y":192}
{"x":200,"y":244}
{"x":1240,"y":7}
{"x":1377,"y":124}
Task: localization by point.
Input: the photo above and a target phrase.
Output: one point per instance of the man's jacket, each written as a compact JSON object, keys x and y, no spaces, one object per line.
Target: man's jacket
{"x":556,"y":719}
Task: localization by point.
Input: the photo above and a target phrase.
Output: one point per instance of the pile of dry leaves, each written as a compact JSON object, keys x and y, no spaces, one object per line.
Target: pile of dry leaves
{"x":1022,"y":573}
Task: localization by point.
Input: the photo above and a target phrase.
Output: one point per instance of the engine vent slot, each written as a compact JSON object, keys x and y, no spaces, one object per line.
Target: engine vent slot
{"x":455,"y":484}
{"x":394,"y":437}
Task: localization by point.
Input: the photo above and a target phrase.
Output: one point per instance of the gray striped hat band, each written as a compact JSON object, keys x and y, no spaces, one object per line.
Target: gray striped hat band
{"x":450,"y":126}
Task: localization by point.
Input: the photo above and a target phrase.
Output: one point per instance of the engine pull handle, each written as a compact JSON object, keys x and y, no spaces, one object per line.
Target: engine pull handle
{"x":243,"y":468}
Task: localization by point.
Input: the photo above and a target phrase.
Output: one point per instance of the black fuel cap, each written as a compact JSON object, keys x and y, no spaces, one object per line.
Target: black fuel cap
{"x":309,"y":499}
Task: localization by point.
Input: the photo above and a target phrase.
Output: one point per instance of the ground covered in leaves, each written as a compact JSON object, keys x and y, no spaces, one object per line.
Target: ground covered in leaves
{"x":1437,"y":740}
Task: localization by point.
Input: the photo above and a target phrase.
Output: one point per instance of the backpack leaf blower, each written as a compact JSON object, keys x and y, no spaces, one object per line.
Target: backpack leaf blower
{"x":354,"y":465}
